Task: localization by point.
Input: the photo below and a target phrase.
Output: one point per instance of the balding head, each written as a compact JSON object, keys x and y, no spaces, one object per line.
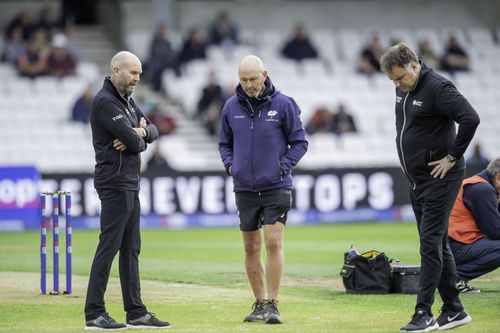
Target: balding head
{"x":251,"y":63}
{"x":123,"y":58}
{"x":126,"y":69}
{"x":252,"y":75}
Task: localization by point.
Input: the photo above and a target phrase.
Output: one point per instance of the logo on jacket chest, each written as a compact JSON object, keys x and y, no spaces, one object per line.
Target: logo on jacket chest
{"x":271,"y":115}
{"x":417,"y":103}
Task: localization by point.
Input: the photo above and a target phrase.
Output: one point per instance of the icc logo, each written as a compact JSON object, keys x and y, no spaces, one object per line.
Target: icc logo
{"x":417,"y":103}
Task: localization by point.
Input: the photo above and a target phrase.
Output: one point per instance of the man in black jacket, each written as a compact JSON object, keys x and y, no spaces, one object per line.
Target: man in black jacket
{"x":120,"y":133}
{"x":431,"y":155}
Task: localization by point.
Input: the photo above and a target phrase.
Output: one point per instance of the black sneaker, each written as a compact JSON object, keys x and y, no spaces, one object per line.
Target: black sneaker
{"x":449,"y":319}
{"x":147,"y":321}
{"x":464,"y":287}
{"x":272,"y":315}
{"x":420,"y":322}
{"x":259,"y":309}
{"x":104,"y":322}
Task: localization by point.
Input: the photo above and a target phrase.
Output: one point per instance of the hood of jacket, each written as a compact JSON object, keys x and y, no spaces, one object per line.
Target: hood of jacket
{"x":259,"y":101}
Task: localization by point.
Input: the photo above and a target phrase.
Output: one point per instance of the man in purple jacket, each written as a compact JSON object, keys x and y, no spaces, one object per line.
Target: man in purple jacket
{"x":261,"y":140}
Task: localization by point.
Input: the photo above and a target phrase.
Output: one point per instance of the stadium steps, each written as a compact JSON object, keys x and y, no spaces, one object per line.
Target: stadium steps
{"x":97,"y":45}
{"x":197,"y":141}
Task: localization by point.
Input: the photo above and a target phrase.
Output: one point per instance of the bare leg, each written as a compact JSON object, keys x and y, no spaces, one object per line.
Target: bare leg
{"x":273,"y":235}
{"x":252,"y":241}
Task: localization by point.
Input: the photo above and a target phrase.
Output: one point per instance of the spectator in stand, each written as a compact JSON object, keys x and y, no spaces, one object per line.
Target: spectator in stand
{"x":72,"y":45}
{"x":22,"y":21}
{"x":161,"y":56}
{"x":61,"y":62}
{"x":474,"y":228}
{"x":157,"y":162}
{"x":33,"y":62}
{"x":478,"y":157}
{"x":342,"y":122}
{"x":163,"y":122}
{"x":299,"y":47}
{"x":48,"y":21}
{"x":428,"y":54}
{"x":477,"y":161}
{"x":320,"y":122}
{"x":368,"y":61}
{"x":223,"y":31}
{"x":194,"y":47}
{"x":81,"y":108}
{"x":14,"y":46}
{"x":454,"y":58}
{"x":210,"y":104}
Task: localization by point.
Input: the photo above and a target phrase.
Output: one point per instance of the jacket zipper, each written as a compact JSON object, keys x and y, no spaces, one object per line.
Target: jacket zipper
{"x":251,"y":142}
{"x":401,"y":143}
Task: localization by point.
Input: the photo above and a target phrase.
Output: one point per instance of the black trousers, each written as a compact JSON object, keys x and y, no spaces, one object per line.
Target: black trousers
{"x":120,"y":231}
{"x":432,"y":205}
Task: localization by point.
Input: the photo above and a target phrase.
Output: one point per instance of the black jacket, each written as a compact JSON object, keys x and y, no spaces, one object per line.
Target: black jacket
{"x":113,"y":117}
{"x":425,"y":125}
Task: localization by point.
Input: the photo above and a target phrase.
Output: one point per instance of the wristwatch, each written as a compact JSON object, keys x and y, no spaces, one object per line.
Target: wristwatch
{"x":451,"y":158}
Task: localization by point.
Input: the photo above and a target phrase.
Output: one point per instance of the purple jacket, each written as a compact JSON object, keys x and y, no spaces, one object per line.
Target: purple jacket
{"x":262,"y":139}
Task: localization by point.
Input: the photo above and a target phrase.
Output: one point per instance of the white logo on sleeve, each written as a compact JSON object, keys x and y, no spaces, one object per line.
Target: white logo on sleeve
{"x":117,"y":117}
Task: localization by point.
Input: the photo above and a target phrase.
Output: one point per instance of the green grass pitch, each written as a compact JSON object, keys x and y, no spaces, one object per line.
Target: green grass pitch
{"x":195,"y":279}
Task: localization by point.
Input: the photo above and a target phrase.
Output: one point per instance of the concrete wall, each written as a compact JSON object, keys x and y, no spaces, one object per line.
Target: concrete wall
{"x":258,"y":15}
{"x":343,"y":14}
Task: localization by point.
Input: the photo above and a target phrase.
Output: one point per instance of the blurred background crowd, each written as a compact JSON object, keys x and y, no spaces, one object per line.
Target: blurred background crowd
{"x":322,"y":53}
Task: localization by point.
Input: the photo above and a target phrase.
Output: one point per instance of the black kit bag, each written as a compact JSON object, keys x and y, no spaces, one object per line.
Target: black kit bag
{"x":367,"y":273}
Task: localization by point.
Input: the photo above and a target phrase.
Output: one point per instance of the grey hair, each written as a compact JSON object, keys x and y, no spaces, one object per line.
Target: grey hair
{"x":494,"y":167}
{"x":399,"y":55}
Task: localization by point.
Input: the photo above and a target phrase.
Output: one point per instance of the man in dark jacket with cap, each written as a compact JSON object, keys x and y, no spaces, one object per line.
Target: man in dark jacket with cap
{"x":261,"y":140}
{"x":120,"y":132}
{"x":431,"y":155}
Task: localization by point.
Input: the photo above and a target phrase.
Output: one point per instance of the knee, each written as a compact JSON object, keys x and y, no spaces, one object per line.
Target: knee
{"x":274,"y":244}
{"x":429,"y":247}
{"x":252,"y":249}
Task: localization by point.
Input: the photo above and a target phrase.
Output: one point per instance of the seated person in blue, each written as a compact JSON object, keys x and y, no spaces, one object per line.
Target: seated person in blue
{"x":474,"y":228}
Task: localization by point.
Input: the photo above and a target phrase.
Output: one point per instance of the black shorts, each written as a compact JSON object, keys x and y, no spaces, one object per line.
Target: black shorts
{"x":258,"y":208}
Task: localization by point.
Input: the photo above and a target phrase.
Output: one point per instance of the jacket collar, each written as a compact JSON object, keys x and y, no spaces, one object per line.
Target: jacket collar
{"x":423,"y":72}
{"x":267,"y":94}
{"x":108,"y":85}
{"x":487,"y":176}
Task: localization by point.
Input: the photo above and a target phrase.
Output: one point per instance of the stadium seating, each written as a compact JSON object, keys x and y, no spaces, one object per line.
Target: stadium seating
{"x":35,"y":113}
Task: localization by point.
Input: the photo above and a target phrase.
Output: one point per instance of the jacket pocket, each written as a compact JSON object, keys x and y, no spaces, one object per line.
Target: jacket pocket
{"x":241,"y":174}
